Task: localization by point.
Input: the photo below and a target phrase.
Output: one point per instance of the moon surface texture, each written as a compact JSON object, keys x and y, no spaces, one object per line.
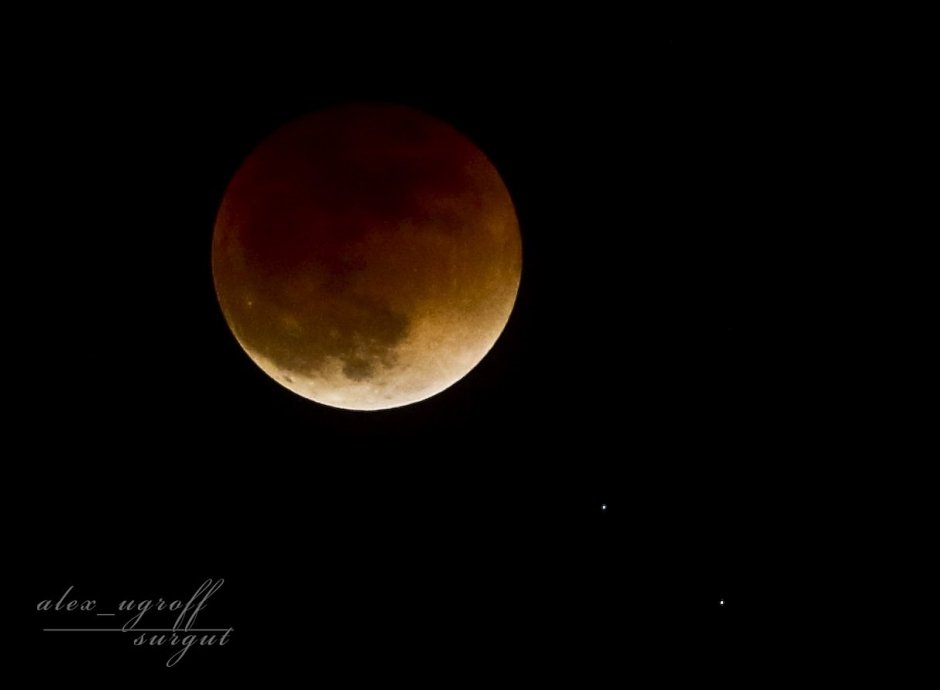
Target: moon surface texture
{"x":367,"y":256}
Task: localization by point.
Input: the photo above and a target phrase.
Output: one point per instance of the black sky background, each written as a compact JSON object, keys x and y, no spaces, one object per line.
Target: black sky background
{"x":656,"y":361}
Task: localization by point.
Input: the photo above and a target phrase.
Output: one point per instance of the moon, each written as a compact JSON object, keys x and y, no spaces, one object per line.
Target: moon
{"x":366,"y":256}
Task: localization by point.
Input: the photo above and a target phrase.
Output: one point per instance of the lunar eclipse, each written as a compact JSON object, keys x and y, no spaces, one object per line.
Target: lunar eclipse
{"x":366,"y":256}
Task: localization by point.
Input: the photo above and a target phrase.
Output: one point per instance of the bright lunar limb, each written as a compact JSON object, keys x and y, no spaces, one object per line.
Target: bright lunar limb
{"x":366,"y":256}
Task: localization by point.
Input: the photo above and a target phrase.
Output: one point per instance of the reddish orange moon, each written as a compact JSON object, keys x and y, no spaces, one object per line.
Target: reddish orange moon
{"x":367,"y":256}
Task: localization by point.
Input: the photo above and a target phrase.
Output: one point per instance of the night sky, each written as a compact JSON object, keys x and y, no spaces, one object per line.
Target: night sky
{"x":654,"y":363}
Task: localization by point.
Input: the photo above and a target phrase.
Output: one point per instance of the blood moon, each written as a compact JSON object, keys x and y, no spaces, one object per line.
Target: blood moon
{"x":367,"y":256}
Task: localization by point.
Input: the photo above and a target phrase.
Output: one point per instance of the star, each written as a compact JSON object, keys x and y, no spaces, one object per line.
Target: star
{"x":722,"y":602}
{"x":603,"y":506}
